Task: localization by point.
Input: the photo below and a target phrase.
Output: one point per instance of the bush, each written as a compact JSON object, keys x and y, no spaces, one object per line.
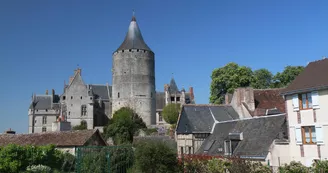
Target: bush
{"x":153,"y":156}
{"x":294,"y":167}
{"x":320,"y":166}
{"x":38,"y":169}
{"x":83,"y":126}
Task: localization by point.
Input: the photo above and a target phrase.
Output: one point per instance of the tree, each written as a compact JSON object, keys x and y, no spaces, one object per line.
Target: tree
{"x":287,"y":76}
{"x":262,"y":79}
{"x":83,"y":126}
{"x":171,"y":113}
{"x":155,"y":156}
{"x":226,"y":79}
{"x":122,"y":127}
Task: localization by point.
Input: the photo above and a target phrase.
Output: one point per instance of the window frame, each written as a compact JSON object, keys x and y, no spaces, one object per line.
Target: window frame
{"x":83,"y":110}
{"x":44,"y":129}
{"x":310,"y":133}
{"x":300,"y":101}
{"x":44,"y":119}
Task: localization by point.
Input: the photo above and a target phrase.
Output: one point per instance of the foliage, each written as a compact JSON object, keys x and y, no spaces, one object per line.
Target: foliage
{"x":38,"y":169}
{"x":226,"y":79}
{"x":293,"y":167}
{"x":287,"y":76}
{"x":103,"y":159}
{"x":262,"y":79}
{"x":320,"y":166}
{"x":231,"y":76}
{"x":123,"y":126}
{"x":83,"y":126}
{"x":15,"y":158}
{"x":154,"y":156}
{"x":171,"y":113}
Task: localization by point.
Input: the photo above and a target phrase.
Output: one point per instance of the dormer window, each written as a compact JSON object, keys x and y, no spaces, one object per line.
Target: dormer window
{"x":227,"y":148}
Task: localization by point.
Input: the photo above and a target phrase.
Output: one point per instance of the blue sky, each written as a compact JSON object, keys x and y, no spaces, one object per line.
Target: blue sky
{"x":42,"y":42}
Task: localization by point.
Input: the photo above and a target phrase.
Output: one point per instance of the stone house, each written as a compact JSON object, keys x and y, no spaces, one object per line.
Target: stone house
{"x":171,"y":94}
{"x":197,"y":122}
{"x":66,"y":141}
{"x":306,"y":100}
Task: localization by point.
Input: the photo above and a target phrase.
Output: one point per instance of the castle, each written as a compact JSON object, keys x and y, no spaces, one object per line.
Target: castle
{"x":133,"y":85}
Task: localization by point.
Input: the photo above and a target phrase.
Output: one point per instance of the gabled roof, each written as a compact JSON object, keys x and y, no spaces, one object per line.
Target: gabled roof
{"x":59,"y":139}
{"x":201,"y":118}
{"x":258,"y":135}
{"x":133,"y":38}
{"x":45,"y":101}
{"x":311,"y":78}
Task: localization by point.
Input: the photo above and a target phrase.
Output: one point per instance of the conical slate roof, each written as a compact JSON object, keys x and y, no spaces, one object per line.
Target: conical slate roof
{"x":173,"y":86}
{"x":133,"y":38}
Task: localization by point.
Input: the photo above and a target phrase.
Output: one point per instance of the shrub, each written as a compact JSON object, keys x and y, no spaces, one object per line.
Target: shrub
{"x":293,"y":167}
{"x":320,"y":166}
{"x":38,"y":169}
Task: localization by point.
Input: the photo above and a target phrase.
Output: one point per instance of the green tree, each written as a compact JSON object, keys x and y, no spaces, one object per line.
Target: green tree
{"x":83,"y":126}
{"x":262,"y":79}
{"x":171,"y":113}
{"x":294,"y":167}
{"x":123,"y":126}
{"x":155,"y":156}
{"x":287,"y":76}
{"x":226,"y":79}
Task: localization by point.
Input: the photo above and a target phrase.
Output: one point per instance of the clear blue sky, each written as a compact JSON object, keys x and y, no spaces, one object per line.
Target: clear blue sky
{"x":41,"y":42}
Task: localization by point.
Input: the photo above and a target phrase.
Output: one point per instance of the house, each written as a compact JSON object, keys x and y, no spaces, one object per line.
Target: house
{"x":171,"y":94}
{"x":249,"y":102}
{"x":306,"y":100}
{"x":256,"y":138}
{"x":197,"y":122}
{"x":66,"y":141}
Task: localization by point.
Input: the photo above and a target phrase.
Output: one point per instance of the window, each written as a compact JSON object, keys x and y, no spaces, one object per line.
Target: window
{"x":178,"y":99}
{"x":160,"y":117}
{"x":83,"y":110}
{"x":81,"y":97}
{"x":46,"y":110}
{"x":118,"y":95}
{"x":227,"y":148}
{"x":44,"y":120}
{"x":71,"y":97}
{"x":309,"y":135}
{"x":64,"y":97}
{"x":69,"y":113}
{"x":44,"y":129}
{"x":305,"y":100}
{"x":181,"y":149}
{"x":172,"y":99}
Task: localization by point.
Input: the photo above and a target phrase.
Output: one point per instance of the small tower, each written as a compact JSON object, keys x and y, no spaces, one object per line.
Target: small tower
{"x":133,"y":76}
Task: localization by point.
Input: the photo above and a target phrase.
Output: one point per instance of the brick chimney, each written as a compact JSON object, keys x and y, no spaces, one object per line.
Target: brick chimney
{"x":191,"y":91}
{"x":10,"y":131}
{"x":46,"y":92}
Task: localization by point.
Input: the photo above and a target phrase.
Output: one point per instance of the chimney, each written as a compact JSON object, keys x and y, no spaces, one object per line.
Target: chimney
{"x":46,"y":92}
{"x":166,"y":87}
{"x":227,"y":98}
{"x":246,"y":95}
{"x":53,"y":92}
{"x":191,"y":91}
{"x":10,"y":131}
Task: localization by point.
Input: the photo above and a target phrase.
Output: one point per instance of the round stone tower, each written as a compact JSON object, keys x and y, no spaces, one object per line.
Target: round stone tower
{"x":134,"y":76}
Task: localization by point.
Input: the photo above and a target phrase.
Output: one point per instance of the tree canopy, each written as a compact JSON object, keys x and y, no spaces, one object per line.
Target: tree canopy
{"x":122,"y":127}
{"x":171,"y":113}
{"x":231,"y":76}
{"x":83,"y":126}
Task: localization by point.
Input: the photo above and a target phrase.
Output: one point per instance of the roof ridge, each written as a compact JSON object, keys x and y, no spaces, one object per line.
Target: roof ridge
{"x":222,"y":105}
{"x":255,"y":117}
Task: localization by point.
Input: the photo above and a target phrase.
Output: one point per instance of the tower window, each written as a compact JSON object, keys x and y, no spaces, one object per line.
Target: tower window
{"x":64,"y":97}
{"x":129,"y":50}
{"x":71,"y":97}
{"x":81,"y":97}
{"x":137,"y":50}
{"x":69,"y":113}
{"x":118,"y":95}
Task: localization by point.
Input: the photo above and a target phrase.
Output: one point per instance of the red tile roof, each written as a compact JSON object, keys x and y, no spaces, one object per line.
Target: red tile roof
{"x":313,"y":77}
{"x":64,"y":138}
{"x":268,"y":99}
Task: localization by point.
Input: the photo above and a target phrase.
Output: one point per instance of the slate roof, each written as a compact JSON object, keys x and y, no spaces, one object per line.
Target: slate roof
{"x":101,"y":91}
{"x":266,"y":99}
{"x":133,"y":38}
{"x":45,"y":102}
{"x":199,"y":118}
{"x":311,"y":78}
{"x":160,"y":100}
{"x":173,"y":87}
{"x":258,"y":135}
{"x":59,"y":139}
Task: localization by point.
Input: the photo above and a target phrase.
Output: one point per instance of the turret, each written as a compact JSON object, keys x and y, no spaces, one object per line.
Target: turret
{"x":134,"y":75}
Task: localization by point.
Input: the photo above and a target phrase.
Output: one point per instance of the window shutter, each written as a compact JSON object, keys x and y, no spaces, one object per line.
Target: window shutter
{"x":295,"y":102}
{"x":315,"y":99}
{"x":298,"y":135}
{"x":319,"y":134}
